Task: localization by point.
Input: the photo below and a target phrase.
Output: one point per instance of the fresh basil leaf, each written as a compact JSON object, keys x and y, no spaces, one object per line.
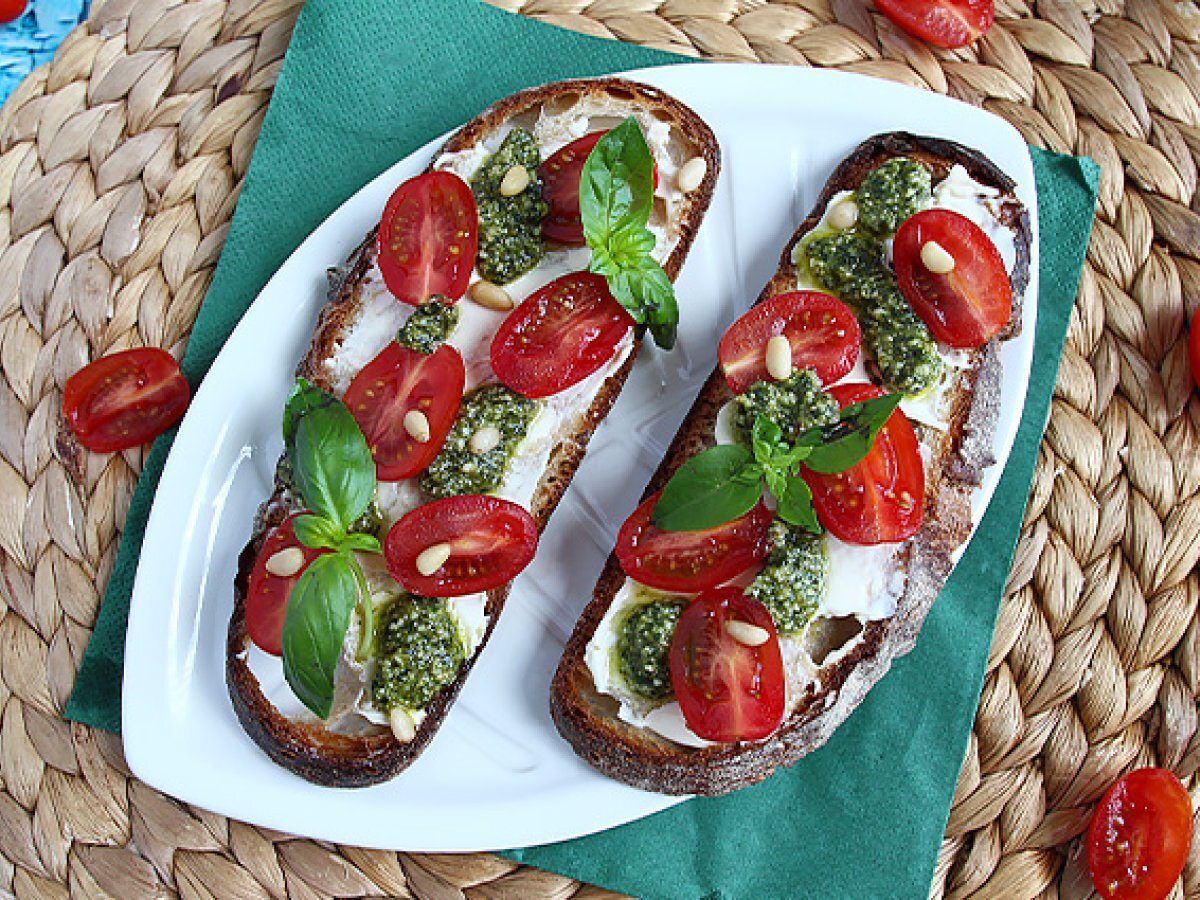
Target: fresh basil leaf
{"x":367,"y":543}
{"x":777,"y":481}
{"x":766,"y":439}
{"x":304,"y":398}
{"x":314,"y":629}
{"x":710,"y":489}
{"x":795,"y":505}
{"x":845,"y":443}
{"x":333,"y":468}
{"x":318,"y":532}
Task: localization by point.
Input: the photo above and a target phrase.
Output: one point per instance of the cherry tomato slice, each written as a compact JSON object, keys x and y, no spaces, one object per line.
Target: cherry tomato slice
{"x":394,"y":383}
{"x":11,"y":10}
{"x":691,"y":561}
{"x":821,"y":329}
{"x":1139,"y":837}
{"x":881,"y":499}
{"x":943,"y":23}
{"x":428,"y":238}
{"x":729,"y":689}
{"x":267,"y":593}
{"x":559,"y":335}
{"x":490,"y":542}
{"x":1194,"y":346}
{"x":125,"y":399}
{"x":560,"y":189}
{"x":968,"y":305}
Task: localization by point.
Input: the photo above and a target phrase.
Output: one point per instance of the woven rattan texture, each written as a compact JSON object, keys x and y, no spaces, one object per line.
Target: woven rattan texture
{"x":119,"y":169}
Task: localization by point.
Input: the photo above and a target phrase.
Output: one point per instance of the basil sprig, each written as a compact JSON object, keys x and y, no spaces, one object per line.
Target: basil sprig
{"x":616,"y":196}
{"x":725,"y":482}
{"x":335,"y":476}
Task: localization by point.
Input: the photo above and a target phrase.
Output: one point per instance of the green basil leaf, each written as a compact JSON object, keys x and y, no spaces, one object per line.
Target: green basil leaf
{"x":303,"y":399}
{"x":766,"y":439}
{"x":314,"y":629}
{"x":845,"y":443}
{"x":318,"y":532}
{"x":795,"y":505}
{"x":332,"y":464}
{"x":710,"y":489}
{"x":777,"y":481}
{"x":367,"y":543}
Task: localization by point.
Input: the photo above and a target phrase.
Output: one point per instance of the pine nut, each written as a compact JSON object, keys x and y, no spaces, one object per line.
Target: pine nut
{"x":779,"y":357}
{"x":936,"y":258}
{"x":514,"y":181}
{"x":690,"y":174}
{"x":403,"y":727}
{"x":286,"y":562}
{"x":416,"y":423}
{"x":844,"y":215}
{"x":485,"y":439}
{"x":746,"y":633}
{"x":432,"y":558}
{"x":491,"y":296}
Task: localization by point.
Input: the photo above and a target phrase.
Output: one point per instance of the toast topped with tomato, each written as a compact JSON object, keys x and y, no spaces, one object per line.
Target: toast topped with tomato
{"x":468,"y":349}
{"x":813,"y":502}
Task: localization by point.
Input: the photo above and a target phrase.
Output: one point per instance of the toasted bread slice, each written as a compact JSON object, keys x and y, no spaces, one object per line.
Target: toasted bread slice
{"x":847,"y":654}
{"x":351,"y":750}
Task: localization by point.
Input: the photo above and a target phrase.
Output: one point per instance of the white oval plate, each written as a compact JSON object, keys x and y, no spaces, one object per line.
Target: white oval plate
{"x":497,"y":775}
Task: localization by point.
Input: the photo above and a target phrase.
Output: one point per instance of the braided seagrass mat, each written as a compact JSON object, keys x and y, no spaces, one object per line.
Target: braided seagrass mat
{"x":119,"y":168}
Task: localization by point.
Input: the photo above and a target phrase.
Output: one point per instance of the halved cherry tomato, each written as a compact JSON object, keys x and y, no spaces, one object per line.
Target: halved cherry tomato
{"x":395,"y":382}
{"x":943,"y":23}
{"x":968,"y":305}
{"x":728,"y":690}
{"x":428,"y":238}
{"x":267,"y":594}
{"x":1140,"y":834}
{"x":691,"y":561}
{"x":1194,"y":346}
{"x":560,"y":189}
{"x":490,"y":541}
{"x":822,"y":330}
{"x":11,"y":10}
{"x":881,"y":499}
{"x":125,"y":399}
{"x":559,"y":335}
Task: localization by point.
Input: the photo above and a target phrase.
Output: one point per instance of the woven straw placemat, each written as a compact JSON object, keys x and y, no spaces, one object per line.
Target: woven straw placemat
{"x":119,"y":168}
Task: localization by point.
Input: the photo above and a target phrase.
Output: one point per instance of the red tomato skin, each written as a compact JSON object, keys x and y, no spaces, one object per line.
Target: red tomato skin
{"x":726,"y":690}
{"x":1140,"y":835}
{"x":691,"y":561}
{"x":428,"y":238}
{"x":968,"y":306}
{"x":266,"y":594}
{"x":396,"y":381}
{"x":560,"y":189}
{"x":125,"y":399}
{"x":492,"y":540}
{"x":822,"y":330}
{"x":11,"y":10}
{"x":559,"y":335}
{"x":1194,"y":346}
{"x":889,"y":482}
{"x":943,"y":23}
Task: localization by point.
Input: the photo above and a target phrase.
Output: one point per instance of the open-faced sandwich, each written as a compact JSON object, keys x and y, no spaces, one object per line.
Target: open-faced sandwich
{"x":810,"y":508}
{"x":468,"y":349}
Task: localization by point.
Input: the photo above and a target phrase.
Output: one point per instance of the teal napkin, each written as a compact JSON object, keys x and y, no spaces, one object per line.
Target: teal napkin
{"x":364,"y":85}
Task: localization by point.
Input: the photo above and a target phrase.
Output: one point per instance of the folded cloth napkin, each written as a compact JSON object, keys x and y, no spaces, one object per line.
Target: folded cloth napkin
{"x":363,"y":86}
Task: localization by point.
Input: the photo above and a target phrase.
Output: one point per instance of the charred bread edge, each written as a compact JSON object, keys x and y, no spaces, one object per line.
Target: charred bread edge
{"x":307,"y":748}
{"x":646,"y":760}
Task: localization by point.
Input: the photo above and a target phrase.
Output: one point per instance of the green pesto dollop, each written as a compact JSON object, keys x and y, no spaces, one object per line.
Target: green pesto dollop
{"x":793,"y":578}
{"x":795,"y":404}
{"x":891,"y":193}
{"x":370,"y":522}
{"x":428,"y":326}
{"x":420,"y":652}
{"x":853,"y":266}
{"x":642,"y":648}
{"x":510,"y":228}
{"x":459,"y":470}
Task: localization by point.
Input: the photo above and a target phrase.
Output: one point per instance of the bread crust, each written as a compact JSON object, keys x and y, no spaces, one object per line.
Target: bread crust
{"x":644,"y":759}
{"x":308,"y":748}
